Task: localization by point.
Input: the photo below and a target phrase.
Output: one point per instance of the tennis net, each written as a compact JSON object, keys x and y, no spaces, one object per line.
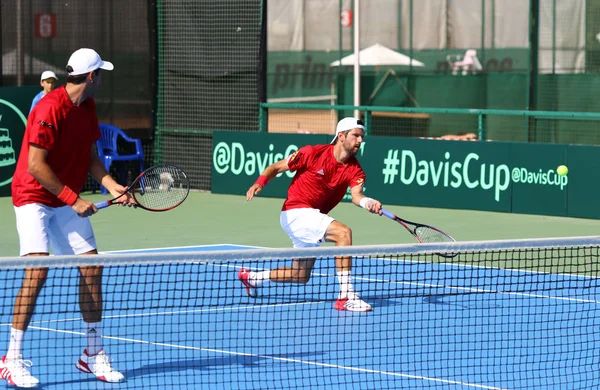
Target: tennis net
{"x":519,"y":314}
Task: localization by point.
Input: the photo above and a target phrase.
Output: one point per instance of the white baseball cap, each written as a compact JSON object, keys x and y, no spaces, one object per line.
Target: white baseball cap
{"x":86,"y":60}
{"x":48,"y":75}
{"x":347,"y":123}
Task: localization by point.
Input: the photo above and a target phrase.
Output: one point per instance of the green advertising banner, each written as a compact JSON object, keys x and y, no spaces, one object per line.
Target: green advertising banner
{"x":240,"y":157}
{"x":584,"y":185}
{"x":431,"y":173}
{"x":537,"y":188}
{"x":493,"y":176}
{"x":14,"y":108}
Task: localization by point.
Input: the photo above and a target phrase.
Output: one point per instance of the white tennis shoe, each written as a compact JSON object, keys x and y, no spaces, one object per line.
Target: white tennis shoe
{"x":16,"y":373}
{"x":352,"y":303}
{"x":244,"y":277}
{"x":100,"y":366}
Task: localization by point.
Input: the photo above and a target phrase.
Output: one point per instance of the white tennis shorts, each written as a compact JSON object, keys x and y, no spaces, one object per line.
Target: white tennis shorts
{"x":40,"y":227}
{"x":306,"y":227}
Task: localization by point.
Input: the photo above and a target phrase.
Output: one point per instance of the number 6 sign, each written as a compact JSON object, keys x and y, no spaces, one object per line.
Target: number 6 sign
{"x":45,"y":25}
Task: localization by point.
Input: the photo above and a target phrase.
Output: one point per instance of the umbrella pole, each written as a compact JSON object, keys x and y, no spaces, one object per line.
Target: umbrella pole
{"x":356,"y":57}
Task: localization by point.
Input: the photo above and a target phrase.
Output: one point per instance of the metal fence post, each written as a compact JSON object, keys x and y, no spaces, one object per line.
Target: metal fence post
{"x":481,"y":126}
{"x":263,"y":116}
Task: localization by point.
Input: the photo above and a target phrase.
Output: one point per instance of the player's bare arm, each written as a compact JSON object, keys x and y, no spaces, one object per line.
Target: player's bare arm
{"x":39,"y":168}
{"x":359,"y":199}
{"x":269,"y":173}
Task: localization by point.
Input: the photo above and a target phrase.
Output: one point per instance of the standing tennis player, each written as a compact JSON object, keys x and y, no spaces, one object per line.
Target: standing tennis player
{"x":323,"y":174}
{"x":58,"y":152}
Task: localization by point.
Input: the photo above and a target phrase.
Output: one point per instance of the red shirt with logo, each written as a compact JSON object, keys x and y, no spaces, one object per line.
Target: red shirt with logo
{"x":320,"y":181}
{"x":67,"y":131}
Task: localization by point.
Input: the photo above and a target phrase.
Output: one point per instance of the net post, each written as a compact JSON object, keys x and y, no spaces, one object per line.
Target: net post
{"x":262,"y":117}
{"x":368,"y":120}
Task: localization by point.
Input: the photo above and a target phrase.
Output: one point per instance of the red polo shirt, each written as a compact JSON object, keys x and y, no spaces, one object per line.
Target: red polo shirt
{"x":320,"y":181}
{"x":67,"y":131}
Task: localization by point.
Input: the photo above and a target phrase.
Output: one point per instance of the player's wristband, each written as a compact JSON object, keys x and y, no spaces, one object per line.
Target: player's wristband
{"x":364,"y":202}
{"x":68,"y":196}
{"x":262,"y":180}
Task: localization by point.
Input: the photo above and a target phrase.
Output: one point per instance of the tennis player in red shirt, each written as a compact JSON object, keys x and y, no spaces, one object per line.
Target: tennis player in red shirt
{"x":57,"y":153}
{"x":323,"y":174}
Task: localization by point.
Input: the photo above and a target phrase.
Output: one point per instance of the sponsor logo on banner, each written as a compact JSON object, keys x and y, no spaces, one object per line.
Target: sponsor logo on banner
{"x":405,"y":167}
{"x":234,"y":158}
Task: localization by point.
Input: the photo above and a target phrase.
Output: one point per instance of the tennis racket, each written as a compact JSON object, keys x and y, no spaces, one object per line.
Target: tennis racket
{"x":423,"y":233}
{"x":159,"y":188}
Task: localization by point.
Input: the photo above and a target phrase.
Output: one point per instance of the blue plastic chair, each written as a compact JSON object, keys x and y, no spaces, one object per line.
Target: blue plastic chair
{"x":109,"y":153}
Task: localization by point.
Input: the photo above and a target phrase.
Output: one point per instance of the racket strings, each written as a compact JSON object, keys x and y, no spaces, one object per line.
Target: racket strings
{"x":427,"y":234}
{"x":161,"y":188}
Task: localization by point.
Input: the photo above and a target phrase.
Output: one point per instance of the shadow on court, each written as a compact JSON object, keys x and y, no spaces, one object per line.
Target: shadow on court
{"x":208,"y":364}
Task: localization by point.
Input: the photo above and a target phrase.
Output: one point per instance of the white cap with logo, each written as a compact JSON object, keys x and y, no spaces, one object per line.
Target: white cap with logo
{"x":347,"y":123}
{"x":83,"y":61}
{"x":48,"y":75}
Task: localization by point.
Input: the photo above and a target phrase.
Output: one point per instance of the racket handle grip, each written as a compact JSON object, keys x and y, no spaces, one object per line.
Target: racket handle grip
{"x":102,"y":205}
{"x":388,"y":214}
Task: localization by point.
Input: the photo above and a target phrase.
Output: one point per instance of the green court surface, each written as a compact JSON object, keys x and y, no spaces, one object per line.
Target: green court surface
{"x":206,"y":218}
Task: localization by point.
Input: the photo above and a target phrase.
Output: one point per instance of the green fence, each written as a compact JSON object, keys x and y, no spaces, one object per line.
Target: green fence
{"x":495,"y":125}
{"x":208,"y":77}
{"x":40,"y":35}
{"x":531,"y":54}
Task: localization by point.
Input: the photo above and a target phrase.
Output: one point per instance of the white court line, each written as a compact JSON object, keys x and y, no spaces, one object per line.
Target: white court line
{"x":181,"y":247}
{"x":306,"y":303}
{"x":172,"y":312}
{"x":526,"y":271}
{"x":412,"y":284}
{"x":458,"y":288}
{"x":287,"y":360}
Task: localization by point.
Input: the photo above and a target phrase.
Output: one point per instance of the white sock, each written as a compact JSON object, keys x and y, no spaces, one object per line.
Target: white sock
{"x":346,"y":288}
{"x":93,"y":334}
{"x":16,"y":342}
{"x":258,"y":278}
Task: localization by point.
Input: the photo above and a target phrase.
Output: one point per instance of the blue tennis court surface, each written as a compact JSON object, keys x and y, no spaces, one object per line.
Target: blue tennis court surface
{"x":192,"y":326}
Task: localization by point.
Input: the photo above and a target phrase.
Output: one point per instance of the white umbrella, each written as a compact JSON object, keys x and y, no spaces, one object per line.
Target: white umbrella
{"x":9,"y":65}
{"x":379,"y":55}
